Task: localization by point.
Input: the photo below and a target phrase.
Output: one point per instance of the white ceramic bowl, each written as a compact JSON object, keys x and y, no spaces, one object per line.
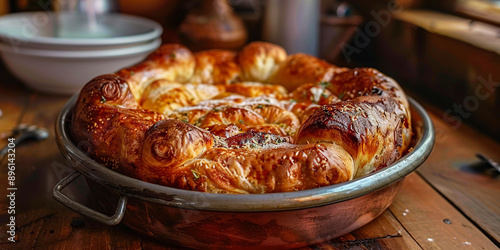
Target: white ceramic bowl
{"x":65,"y":72}
{"x":64,"y":31}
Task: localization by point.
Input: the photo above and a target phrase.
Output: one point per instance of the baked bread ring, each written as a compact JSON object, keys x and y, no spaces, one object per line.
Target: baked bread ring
{"x":253,"y":121}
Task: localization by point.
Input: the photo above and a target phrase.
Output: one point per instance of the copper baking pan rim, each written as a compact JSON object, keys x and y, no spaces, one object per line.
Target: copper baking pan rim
{"x":130,"y":187}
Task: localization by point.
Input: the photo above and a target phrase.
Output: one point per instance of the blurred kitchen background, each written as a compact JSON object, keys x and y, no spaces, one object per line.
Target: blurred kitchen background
{"x":446,"y":52}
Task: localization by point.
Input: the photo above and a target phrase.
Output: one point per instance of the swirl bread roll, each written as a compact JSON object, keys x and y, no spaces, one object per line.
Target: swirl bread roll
{"x":253,"y":121}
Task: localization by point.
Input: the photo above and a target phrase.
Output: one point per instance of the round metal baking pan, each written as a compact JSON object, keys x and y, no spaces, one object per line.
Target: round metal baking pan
{"x":197,"y":219}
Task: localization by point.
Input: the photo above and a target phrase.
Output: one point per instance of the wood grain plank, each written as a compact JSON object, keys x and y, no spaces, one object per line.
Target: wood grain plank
{"x":58,"y":232}
{"x":11,"y":111}
{"x":432,"y":221}
{"x":30,"y":233}
{"x":454,"y":170}
{"x":55,"y":231}
{"x":13,"y":100}
{"x":122,"y":238}
{"x":384,"y":232}
{"x":35,"y":176}
{"x":150,"y":244}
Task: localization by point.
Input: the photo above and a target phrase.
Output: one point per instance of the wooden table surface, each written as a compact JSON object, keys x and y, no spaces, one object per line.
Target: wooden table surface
{"x":451,"y":202}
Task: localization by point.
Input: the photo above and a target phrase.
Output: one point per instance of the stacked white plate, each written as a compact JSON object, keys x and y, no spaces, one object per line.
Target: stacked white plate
{"x":60,"y":53}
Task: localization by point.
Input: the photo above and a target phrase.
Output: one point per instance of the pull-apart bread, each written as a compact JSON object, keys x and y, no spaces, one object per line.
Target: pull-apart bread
{"x":253,"y":121}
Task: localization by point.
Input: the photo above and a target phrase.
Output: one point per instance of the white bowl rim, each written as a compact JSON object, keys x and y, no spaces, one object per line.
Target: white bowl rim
{"x":156,"y":32}
{"x":7,"y":48}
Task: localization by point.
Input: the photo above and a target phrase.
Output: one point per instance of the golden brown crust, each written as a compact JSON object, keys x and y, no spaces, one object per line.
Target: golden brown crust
{"x":255,"y":121}
{"x":216,"y":67}
{"x":288,"y":168}
{"x":256,"y":89}
{"x":168,"y":145}
{"x":109,"y":124}
{"x":164,"y":96}
{"x":372,"y":124}
{"x":260,"y":60}
{"x":301,"y":68}
{"x":171,"y":62}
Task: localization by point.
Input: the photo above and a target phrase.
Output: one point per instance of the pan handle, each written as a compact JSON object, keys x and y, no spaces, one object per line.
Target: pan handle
{"x":79,"y":208}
